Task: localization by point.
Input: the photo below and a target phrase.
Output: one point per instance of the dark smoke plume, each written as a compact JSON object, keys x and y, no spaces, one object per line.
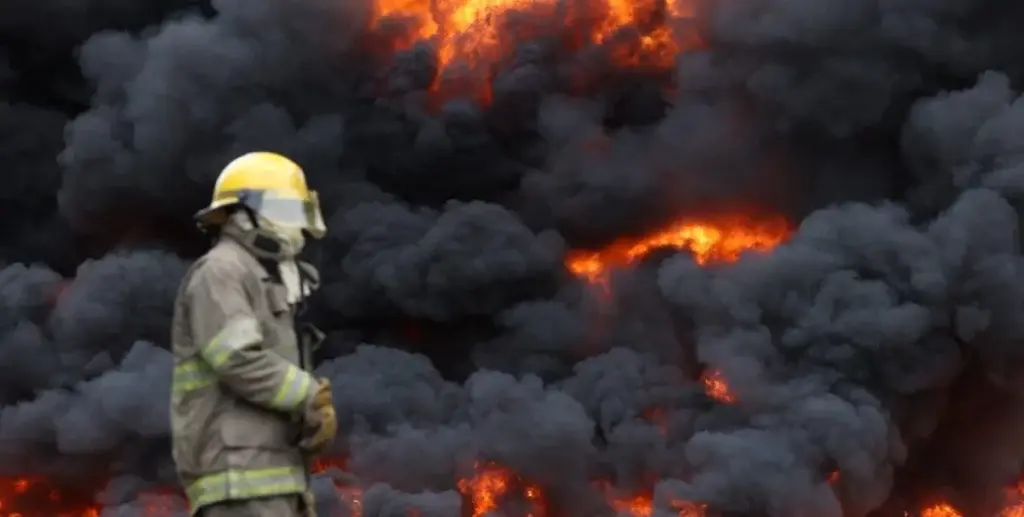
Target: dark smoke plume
{"x":882,"y":341}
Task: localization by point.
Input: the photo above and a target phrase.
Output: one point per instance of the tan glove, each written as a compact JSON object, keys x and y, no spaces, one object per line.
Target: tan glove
{"x":308,"y":504}
{"x":321,"y":422}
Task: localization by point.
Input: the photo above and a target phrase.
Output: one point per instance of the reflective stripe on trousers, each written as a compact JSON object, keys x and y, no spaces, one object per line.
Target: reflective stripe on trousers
{"x":234,"y":485}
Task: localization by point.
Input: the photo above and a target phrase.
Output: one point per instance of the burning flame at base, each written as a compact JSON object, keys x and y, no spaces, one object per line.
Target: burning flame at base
{"x":940,"y":510}
{"x":1014,"y":497}
{"x":18,"y":495}
{"x":492,"y":487}
{"x":487,"y":489}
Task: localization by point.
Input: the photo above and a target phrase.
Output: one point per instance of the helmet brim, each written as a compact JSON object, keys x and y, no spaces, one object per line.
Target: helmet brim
{"x":214,"y":215}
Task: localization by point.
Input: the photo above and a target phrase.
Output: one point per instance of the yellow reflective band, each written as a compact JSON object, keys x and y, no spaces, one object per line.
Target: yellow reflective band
{"x":235,"y":336}
{"x":294,"y":390}
{"x":233,"y":485}
{"x":192,"y":374}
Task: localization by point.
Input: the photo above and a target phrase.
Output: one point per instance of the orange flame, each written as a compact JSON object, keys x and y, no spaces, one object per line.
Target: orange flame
{"x":484,"y":490}
{"x":491,"y":484}
{"x":716,"y":387}
{"x":635,"y":506}
{"x":713,"y":240}
{"x":642,"y":505}
{"x":478,"y":34}
{"x":942,"y":509}
{"x":488,"y":490}
{"x":1014,"y":506}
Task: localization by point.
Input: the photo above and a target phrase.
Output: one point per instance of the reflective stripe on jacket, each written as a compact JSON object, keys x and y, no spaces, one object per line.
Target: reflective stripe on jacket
{"x":237,"y":391}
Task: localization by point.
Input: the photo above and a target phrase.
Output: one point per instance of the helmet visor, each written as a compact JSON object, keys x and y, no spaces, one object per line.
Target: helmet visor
{"x":288,"y":211}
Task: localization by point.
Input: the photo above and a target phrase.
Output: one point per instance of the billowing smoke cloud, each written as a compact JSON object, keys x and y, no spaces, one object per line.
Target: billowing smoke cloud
{"x":874,"y":357}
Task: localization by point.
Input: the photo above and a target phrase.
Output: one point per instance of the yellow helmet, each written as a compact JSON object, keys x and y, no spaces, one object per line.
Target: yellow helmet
{"x":272,"y":186}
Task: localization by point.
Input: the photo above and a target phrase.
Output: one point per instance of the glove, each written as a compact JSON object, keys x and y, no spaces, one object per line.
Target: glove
{"x":321,"y":423}
{"x":308,"y":504}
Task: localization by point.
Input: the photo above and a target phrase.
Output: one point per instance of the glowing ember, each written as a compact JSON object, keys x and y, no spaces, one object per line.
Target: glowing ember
{"x":24,"y":497}
{"x":717,"y":240}
{"x":1014,"y":506}
{"x":351,"y":496}
{"x":353,"y":499}
{"x":716,"y":387}
{"x":688,"y":509}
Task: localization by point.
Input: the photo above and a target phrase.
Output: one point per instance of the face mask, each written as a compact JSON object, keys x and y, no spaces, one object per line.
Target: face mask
{"x":288,"y":238}
{"x":268,"y":240}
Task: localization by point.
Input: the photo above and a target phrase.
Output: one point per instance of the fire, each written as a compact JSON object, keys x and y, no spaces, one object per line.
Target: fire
{"x":721,"y":239}
{"x":494,"y":487}
{"x":642,"y":505}
{"x":491,"y":488}
{"x":478,"y":34}
{"x":716,"y":387}
{"x":25,"y":497}
{"x":635,"y":506}
{"x":484,"y":489}
{"x":1014,"y":506}
{"x":491,"y":485}
{"x":941,"y":510}
{"x":36,"y":497}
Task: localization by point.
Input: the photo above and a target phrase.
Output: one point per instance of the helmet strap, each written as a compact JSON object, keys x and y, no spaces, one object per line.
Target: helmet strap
{"x":255,"y":221}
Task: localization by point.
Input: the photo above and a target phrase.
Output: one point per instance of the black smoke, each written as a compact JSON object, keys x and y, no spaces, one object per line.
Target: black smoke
{"x":883,"y":341}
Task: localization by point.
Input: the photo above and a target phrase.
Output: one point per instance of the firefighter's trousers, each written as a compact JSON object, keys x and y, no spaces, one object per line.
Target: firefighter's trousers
{"x":280,"y":506}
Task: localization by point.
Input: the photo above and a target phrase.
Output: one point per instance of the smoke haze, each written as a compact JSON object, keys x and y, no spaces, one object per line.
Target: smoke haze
{"x":874,"y":358}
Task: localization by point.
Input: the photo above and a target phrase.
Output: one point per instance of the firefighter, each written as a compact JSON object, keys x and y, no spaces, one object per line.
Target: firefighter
{"x":246,"y":417}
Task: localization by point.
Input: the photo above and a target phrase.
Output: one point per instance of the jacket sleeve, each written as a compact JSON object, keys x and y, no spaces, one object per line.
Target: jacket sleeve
{"x":227,"y":332}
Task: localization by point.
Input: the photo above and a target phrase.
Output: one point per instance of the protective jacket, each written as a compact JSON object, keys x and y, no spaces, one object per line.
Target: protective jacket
{"x":237,"y":392}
